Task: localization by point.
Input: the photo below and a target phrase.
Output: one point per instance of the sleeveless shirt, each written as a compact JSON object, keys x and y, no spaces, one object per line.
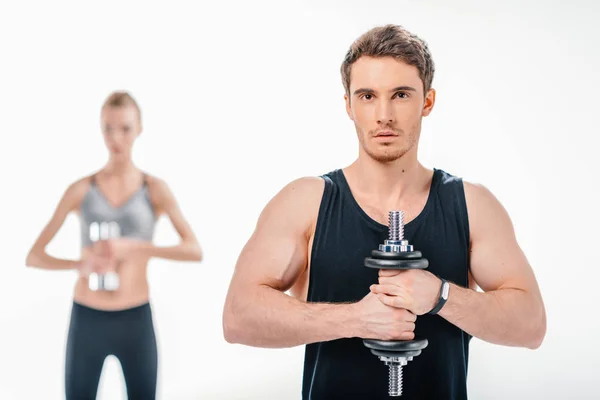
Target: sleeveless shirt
{"x":344,"y":236}
{"x":135,"y":218}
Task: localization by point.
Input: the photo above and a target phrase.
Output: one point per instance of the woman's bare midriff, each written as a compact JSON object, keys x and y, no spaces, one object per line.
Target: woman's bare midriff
{"x":133,"y":288}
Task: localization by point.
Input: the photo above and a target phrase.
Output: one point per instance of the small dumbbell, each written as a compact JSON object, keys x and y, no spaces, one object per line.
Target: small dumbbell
{"x":108,"y":281}
{"x":396,"y":253}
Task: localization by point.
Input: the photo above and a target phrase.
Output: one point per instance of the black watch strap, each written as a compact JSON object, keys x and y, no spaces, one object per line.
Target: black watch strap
{"x":444,"y":291}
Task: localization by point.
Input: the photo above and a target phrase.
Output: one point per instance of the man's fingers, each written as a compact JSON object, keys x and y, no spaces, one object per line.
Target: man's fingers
{"x":393,"y":301}
{"x":396,"y":280}
{"x":389,"y":272}
{"x":391,"y":290}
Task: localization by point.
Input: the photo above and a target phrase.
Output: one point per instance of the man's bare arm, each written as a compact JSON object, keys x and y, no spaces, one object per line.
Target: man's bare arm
{"x":510,"y":311}
{"x":257,"y":311}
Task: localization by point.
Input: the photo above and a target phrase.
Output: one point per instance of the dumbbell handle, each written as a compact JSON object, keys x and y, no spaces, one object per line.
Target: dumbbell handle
{"x":396,"y":253}
{"x":103,"y":231}
{"x":396,"y":225}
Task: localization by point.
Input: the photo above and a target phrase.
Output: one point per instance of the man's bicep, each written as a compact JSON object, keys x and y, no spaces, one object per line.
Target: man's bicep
{"x":274,"y":258}
{"x":276,"y":255}
{"x":497,"y":260}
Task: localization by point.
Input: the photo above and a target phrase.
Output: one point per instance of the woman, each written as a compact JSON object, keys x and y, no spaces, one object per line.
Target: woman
{"x":117,"y":321}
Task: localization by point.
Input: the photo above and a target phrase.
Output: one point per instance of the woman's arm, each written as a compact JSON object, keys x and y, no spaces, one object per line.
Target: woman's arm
{"x":37,"y":256}
{"x":188,"y":248}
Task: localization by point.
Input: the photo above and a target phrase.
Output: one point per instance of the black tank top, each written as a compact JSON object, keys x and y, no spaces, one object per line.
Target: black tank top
{"x":345,"y":235}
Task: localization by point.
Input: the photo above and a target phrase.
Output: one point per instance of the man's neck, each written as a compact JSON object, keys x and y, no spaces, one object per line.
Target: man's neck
{"x":387,"y":182}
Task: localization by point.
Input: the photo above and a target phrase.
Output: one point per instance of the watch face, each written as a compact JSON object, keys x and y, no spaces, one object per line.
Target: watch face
{"x":445,"y":290}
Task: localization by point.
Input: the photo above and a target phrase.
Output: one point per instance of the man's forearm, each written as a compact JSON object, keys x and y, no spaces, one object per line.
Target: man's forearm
{"x":509,"y":317}
{"x":273,"y":319}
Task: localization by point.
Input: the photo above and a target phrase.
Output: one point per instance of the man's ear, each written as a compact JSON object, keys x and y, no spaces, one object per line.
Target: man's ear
{"x":429,"y":102}
{"x":348,"y":106}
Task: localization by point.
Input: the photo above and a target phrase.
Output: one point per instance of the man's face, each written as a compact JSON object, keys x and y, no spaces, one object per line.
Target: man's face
{"x":386,"y":103}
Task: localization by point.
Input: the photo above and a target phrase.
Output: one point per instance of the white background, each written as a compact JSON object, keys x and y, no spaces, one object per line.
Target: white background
{"x":239,"y":98}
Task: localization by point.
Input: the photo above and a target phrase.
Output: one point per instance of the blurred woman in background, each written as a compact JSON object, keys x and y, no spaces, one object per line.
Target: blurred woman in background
{"x":113,"y":316}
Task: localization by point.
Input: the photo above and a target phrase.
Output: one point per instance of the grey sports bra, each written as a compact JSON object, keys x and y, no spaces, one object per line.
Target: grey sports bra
{"x":135,"y":218}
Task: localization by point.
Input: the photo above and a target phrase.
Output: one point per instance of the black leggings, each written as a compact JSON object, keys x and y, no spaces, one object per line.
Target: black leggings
{"x":126,"y":334}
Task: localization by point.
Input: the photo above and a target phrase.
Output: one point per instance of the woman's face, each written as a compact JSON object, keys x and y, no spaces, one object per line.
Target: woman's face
{"x":120,"y":127}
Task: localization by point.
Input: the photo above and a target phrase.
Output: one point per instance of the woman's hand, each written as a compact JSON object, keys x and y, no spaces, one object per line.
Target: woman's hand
{"x":120,"y":249}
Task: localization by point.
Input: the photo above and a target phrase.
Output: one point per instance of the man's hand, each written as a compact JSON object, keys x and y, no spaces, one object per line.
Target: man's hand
{"x":415,"y":290}
{"x":379,"y":321}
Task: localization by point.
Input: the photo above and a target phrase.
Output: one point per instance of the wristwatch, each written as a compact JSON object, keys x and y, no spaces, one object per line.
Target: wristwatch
{"x":444,"y":291}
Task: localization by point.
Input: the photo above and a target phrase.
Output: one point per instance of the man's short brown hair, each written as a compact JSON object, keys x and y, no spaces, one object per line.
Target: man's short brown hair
{"x":391,"y":41}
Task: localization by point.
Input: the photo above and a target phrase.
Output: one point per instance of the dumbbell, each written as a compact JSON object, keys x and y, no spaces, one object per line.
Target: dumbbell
{"x":396,"y":253}
{"x":108,"y":281}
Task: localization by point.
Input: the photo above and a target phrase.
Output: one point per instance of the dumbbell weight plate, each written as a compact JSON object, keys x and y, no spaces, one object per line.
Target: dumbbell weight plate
{"x":396,"y":255}
{"x":395,"y":354}
{"x":396,"y":345}
{"x":421,"y":263}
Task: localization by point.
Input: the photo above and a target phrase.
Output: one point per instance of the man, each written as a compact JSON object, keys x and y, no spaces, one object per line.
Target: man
{"x":313,"y":236}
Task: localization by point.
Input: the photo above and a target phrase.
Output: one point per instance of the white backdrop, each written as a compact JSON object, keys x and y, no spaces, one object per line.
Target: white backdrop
{"x":239,"y":98}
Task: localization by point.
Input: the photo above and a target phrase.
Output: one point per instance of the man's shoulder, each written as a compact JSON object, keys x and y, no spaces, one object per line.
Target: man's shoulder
{"x":448,"y":178}
{"x":473,"y":191}
{"x":483,"y":207}
{"x":313,"y":187}
{"x":302,"y":196}
{"x":303,"y":189}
